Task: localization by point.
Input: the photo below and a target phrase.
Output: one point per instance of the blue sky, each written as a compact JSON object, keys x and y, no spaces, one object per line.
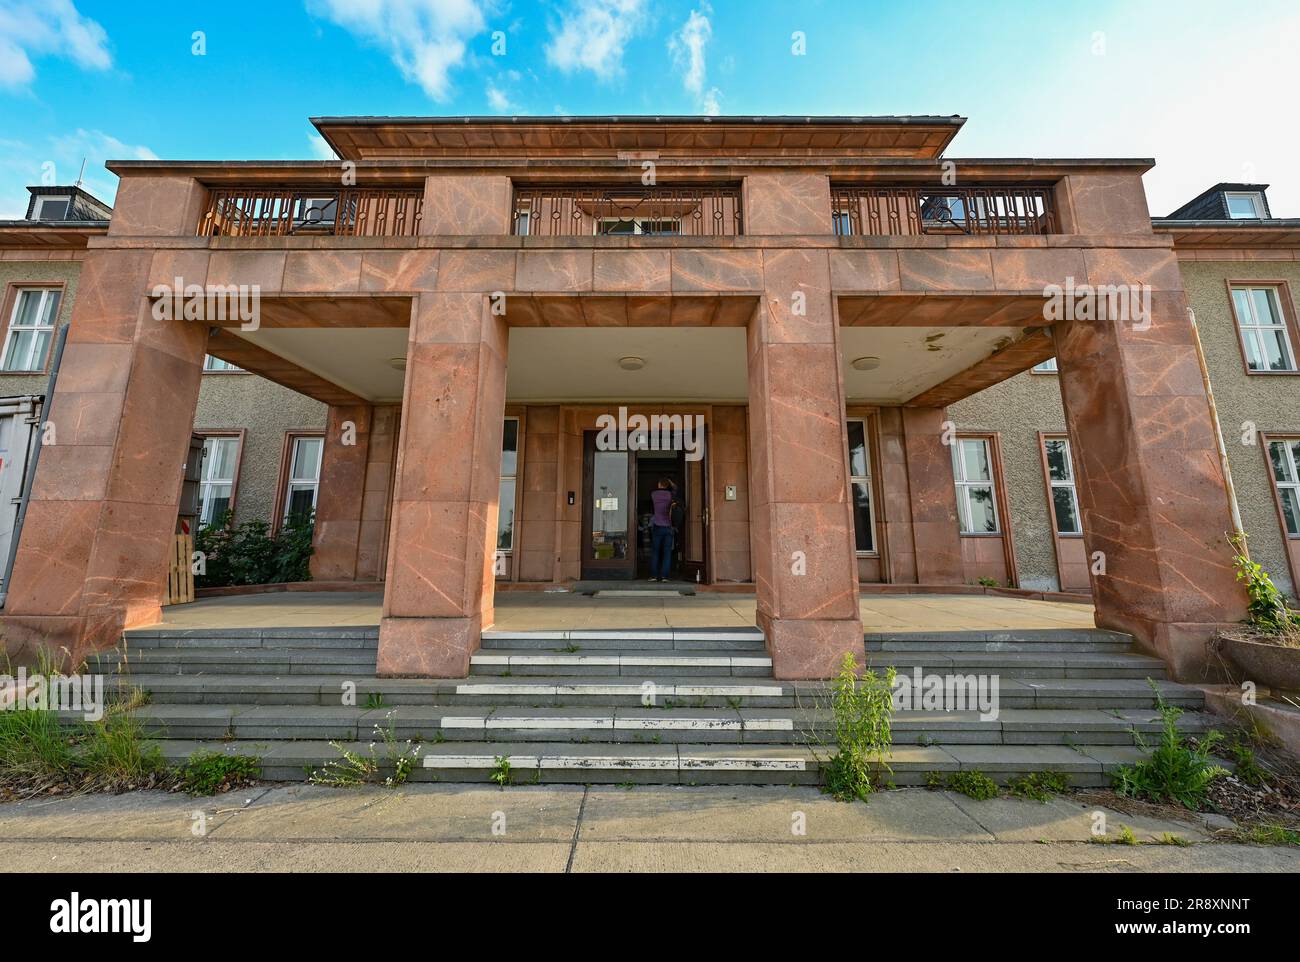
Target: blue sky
{"x":1206,"y":88}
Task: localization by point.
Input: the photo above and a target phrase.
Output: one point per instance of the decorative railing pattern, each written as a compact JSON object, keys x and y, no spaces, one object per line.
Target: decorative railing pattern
{"x":699,"y":211}
{"x":336,"y":212}
{"x":983,"y":209}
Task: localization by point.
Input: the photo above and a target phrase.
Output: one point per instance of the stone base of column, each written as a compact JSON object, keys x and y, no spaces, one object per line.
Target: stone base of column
{"x":1185,"y":648}
{"x":427,"y":647}
{"x":810,"y":650}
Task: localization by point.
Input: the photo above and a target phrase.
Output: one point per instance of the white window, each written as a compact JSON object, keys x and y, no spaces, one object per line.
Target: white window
{"x":1264,"y":335}
{"x":217,"y":480}
{"x":316,"y":211}
{"x":1046,"y":367}
{"x":1060,"y":479}
{"x":864,"y":522}
{"x":506,"y":493}
{"x":972,"y":472}
{"x":638,"y":225}
{"x":211,"y":363}
{"x":1245,"y":206}
{"x":52,"y":208}
{"x":31,"y":328}
{"x":1285,"y":458}
{"x":304,"y":476}
{"x":843,"y":222}
{"x":521,"y":221}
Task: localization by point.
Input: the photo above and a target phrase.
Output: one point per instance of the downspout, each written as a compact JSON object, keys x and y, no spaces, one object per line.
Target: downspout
{"x":30,"y":478}
{"x":1233,"y":508}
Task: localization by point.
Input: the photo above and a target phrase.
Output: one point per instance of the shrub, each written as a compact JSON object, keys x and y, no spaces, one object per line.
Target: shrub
{"x":250,"y":554}
{"x":1267,"y":610}
{"x":861,"y":705}
{"x":1176,"y":771}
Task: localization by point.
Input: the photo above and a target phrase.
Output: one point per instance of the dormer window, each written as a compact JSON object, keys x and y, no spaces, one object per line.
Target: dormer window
{"x":1243,"y":205}
{"x":52,"y":208}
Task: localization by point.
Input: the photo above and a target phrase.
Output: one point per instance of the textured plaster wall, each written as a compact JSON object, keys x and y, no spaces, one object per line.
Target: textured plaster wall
{"x":1017,"y":409}
{"x":24,"y":272}
{"x":1271,"y":402}
{"x":266,"y":411}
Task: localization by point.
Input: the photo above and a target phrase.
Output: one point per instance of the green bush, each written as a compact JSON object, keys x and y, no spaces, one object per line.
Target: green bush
{"x":973,"y":784}
{"x":210,"y":773}
{"x":250,"y":554}
{"x":861,"y":705}
{"x":1176,"y":771}
{"x":1267,"y":609}
{"x":1040,"y":786}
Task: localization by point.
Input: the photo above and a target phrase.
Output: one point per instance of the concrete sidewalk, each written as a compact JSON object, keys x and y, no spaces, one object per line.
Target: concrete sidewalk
{"x":571,"y":828}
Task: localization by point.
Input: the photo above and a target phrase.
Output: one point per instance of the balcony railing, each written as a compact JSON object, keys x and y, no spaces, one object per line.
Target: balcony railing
{"x":881,"y":211}
{"x":659,"y":211}
{"x":312,"y":211}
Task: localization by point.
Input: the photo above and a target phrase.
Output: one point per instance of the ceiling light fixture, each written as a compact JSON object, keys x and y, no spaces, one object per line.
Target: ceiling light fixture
{"x":865,"y":363}
{"x":397,"y":363}
{"x":631,"y":363}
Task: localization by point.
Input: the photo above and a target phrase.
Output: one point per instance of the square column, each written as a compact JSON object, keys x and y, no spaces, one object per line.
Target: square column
{"x":1155,"y":509}
{"x":337,"y":532}
{"x":805,"y":568}
{"x":936,"y":534}
{"x":441,"y":552}
{"x":93,"y":557}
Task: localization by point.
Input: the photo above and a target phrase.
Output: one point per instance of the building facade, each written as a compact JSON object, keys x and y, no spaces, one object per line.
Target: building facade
{"x":833,"y":325}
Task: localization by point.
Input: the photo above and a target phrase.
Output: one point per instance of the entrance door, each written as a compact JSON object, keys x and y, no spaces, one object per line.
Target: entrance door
{"x":609,"y":487}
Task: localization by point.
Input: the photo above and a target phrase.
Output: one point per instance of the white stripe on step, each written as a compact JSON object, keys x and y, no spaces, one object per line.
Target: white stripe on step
{"x":745,"y":764}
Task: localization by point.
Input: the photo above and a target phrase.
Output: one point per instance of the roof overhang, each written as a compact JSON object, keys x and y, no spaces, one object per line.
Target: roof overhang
{"x":50,"y":233}
{"x":1276,"y":233}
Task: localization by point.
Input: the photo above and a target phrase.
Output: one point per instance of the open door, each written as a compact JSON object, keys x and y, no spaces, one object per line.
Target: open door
{"x":695,"y":557}
{"x":609,"y":529}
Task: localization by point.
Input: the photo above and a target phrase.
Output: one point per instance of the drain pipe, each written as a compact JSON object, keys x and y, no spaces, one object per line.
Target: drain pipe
{"x":1233,"y":507}
{"x":30,"y":478}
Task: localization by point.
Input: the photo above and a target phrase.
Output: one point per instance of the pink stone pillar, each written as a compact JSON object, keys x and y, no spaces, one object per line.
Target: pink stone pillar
{"x":936,"y":534}
{"x":1149,"y":479}
{"x":438,"y":592}
{"x":805,"y":569}
{"x":337,"y":533}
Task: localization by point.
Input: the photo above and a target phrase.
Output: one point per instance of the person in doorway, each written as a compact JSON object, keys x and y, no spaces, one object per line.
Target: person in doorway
{"x":661,"y":530}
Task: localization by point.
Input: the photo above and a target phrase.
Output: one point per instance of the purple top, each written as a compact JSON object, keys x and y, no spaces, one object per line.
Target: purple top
{"x":663,"y":499}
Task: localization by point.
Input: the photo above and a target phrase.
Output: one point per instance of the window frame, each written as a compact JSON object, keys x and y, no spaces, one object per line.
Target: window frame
{"x":1256,"y":202}
{"x":286,"y":469}
{"x":1041,"y":368}
{"x":636,"y":226}
{"x":233,"y":369}
{"x":232,"y":434}
{"x":44,"y":199}
{"x":868,"y":479}
{"x":503,"y":477}
{"x":1268,"y":439}
{"x":12,"y":300}
{"x":962,"y":485}
{"x":1286,"y":307}
{"x":1051,"y":485}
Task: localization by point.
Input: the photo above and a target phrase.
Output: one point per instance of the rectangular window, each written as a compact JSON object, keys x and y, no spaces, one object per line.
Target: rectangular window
{"x":217,"y":481}
{"x":639,"y":225}
{"x":506,"y":494}
{"x":522,"y":217}
{"x":305,"y":452}
{"x":1284,"y":456}
{"x":1060,"y":478}
{"x":864,"y":522}
{"x":843,"y":222}
{"x":211,"y":363}
{"x":972,"y":472}
{"x":1263,"y":328}
{"x":1047,"y":367}
{"x":52,"y":208}
{"x":31,"y":328}
{"x":1245,"y":206}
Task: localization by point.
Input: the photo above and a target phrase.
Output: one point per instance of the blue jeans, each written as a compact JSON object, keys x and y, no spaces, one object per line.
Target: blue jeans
{"x":661,"y":550}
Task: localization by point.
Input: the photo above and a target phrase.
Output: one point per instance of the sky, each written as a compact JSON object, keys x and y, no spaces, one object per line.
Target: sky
{"x":1205,"y":88}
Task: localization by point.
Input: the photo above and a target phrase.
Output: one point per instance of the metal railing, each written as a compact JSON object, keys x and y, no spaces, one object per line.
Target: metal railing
{"x":700,"y":211}
{"x":336,"y":212}
{"x":986,"y":209}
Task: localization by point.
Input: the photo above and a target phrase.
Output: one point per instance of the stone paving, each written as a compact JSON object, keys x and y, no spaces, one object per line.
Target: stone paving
{"x":535,"y":610}
{"x":572,"y":828}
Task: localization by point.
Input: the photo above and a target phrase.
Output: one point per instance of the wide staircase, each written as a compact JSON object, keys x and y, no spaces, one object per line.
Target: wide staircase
{"x":690,"y":706}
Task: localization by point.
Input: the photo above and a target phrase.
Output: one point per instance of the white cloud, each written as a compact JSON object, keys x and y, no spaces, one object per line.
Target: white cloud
{"x":687,"y":47}
{"x":592,"y":34}
{"x":62,"y":157}
{"x":37,"y":28}
{"x":425,"y":38}
{"x":498,"y":100}
{"x":319,"y":148}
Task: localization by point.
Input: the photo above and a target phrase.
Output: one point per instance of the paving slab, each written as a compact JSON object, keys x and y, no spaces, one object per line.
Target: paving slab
{"x":133,"y":815}
{"x":1062,"y":819}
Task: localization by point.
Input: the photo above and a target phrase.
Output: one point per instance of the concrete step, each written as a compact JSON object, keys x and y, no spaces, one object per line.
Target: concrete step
{"x":193,"y":660}
{"x":641,"y":725}
{"x":1001,"y":640}
{"x":594,"y":691}
{"x":337,"y":637}
{"x":550,"y":762}
{"x":636,"y":663}
{"x":1022,"y":664}
{"x":587,"y":640}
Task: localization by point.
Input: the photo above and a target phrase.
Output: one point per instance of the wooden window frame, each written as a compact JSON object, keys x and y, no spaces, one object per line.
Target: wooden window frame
{"x":995,"y":481}
{"x":868,"y":446}
{"x":10,"y":304}
{"x":282,"y":480}
{"x":1289,"y":325}
{"x":1049,"y":484}
{"x":502,"y":477}
{"x":239,"y":434}
{"x":1290,"y":542}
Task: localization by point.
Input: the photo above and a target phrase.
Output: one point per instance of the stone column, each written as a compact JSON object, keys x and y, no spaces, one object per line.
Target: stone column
{"x":1149,"y":479}
{"x":805,"y":569}
{"x":93,"y":558}
{"x":438,"y":592}
{"x":376,"y":502}
{"x":936,"y":535}
{"x":337,"y":533}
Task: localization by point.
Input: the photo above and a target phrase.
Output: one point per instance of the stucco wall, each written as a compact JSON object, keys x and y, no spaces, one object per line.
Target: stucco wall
{"x":265,"y":411}
{"x":1017,"y":409}
{"x":1271,"y":402}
